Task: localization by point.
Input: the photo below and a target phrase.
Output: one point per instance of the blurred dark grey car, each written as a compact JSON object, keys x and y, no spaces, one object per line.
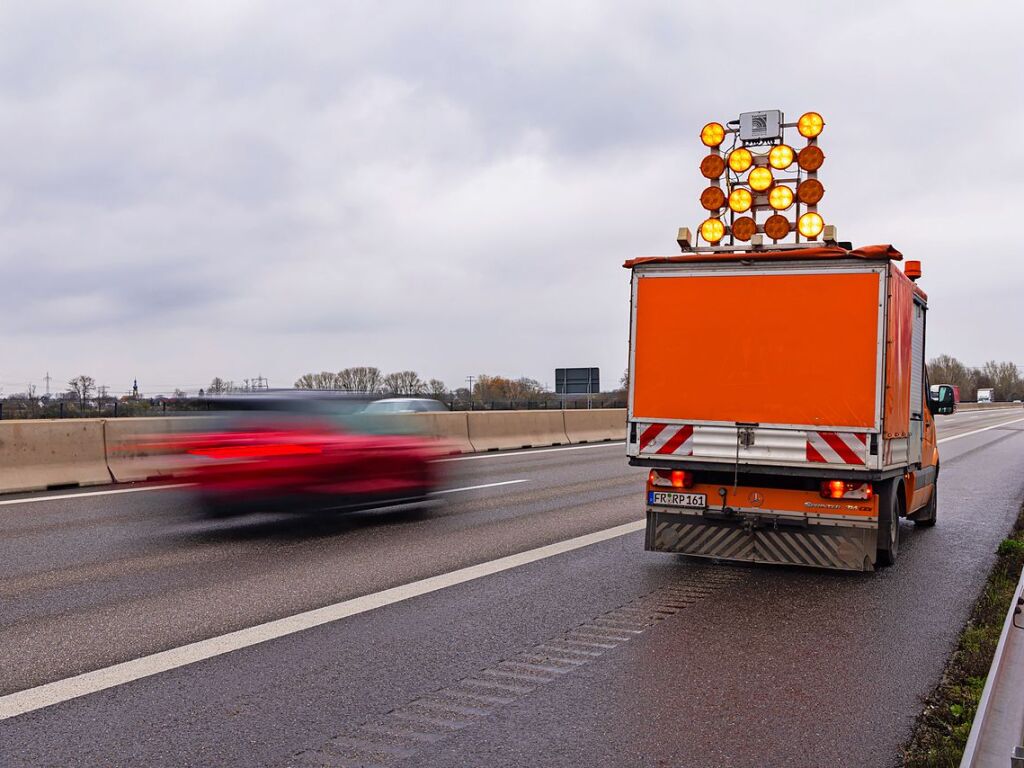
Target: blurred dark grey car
{"x":406,"y":405}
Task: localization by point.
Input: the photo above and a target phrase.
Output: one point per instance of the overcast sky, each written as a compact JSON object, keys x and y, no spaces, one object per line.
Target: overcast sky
{"x":199,"y":189}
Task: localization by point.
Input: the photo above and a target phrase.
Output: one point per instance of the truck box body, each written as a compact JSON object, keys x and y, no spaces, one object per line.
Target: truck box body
{"x":819,"y":363}
{"x":764,"y":376}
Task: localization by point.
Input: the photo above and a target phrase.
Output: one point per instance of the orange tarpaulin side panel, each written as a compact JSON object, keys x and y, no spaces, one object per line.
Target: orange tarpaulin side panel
{"x":898,"y":340}
{"x":867,"y":252}
{"x":796,"y":349}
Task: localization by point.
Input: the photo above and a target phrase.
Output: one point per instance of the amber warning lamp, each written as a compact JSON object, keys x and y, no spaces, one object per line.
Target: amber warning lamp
{"x":912,"y":269}
{"x":762,"y":187}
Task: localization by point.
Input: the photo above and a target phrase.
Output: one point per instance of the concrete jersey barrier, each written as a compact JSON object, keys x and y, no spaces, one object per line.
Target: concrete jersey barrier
{"x":501,"y":430}
{"x":450,"y":428}
{"x":37,"y":454}
{"x":986,"y":406}
{"x":593,"y":426}
{"x":138,"y":448}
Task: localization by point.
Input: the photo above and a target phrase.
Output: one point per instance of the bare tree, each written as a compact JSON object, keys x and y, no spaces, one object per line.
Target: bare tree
{"x":361,"y":379}
{"x":217,"y":386}
{"x":524,"y":388}
{"x":404,"y":383}
{"x":437,"y":389}
{"x":322,"y":380}
{"x":1004,"y":378}
{"x":488,"y":388}
{"x":946,"y":369}
{"x":81,"y":388}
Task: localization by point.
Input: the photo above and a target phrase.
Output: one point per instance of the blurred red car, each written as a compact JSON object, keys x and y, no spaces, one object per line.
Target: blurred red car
{"x":302,"y":451}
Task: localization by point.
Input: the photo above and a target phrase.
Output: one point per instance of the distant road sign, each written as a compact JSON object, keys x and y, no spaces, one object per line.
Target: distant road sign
{"x":577,"y":381}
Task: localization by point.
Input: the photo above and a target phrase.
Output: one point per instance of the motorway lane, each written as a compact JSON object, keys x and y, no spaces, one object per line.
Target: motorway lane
{"x":323,"y":680}
{"x":90,"y":582}
{"x":77,"y":571}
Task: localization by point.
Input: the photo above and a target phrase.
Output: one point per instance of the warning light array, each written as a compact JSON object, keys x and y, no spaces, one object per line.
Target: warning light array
{"x":760,"y":173}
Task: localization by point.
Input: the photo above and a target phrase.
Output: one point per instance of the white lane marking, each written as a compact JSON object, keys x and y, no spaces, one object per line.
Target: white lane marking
{"x":531,"y":452}
{"x":47,"y":695}
{"x":477,"y":487}
{"x":976,"y":431}
{"x":93,"y":493}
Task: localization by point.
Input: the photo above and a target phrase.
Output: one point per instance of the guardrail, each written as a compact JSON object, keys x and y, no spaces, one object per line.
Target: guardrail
{"x":40,"y":454}
{"x":997,"y":733}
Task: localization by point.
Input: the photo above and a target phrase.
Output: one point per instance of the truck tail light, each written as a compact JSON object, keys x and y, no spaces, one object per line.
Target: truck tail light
{"x":670,"y":478}
{"x":845,"y":489}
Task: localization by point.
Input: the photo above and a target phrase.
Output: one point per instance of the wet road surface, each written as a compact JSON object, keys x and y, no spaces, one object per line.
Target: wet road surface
{"x":602,"y":655}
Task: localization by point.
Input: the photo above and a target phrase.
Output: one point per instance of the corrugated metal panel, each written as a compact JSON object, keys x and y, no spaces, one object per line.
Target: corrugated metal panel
{"x":823,"y":546}
{"x":917,"y":362}
{"x":769,"y":444}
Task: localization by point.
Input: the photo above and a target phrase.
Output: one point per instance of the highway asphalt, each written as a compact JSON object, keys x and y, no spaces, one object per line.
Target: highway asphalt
{"x":601,"y":655}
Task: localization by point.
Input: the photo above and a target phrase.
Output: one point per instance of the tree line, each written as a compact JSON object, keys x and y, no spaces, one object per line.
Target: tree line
{"x":1004,"y":378}
{"x":371,"y":380}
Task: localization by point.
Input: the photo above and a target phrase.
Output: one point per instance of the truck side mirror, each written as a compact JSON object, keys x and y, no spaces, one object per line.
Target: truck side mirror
{"x":942,"y":403}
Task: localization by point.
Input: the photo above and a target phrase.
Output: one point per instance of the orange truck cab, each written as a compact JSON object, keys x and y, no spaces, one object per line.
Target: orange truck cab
{"x":778,"y":395}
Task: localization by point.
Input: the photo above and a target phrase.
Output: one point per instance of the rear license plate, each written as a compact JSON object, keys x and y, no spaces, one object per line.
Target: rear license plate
{"x":672,"y":499}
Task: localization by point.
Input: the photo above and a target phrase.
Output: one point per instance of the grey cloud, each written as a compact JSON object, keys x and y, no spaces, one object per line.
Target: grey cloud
{"x":233,"y":188}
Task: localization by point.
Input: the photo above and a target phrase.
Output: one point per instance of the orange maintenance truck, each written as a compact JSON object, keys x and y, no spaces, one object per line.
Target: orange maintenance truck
{"x":777,"y":386}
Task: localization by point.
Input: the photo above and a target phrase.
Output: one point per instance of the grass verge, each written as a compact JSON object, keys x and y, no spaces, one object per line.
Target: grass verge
{"x":941,"y":731}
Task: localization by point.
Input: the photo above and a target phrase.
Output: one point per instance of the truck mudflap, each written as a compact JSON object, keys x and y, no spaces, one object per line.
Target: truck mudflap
{"x":760,"y":539}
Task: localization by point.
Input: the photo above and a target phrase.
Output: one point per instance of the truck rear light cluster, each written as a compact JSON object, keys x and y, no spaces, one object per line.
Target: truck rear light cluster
{"x":670,"y":478}
{"x":845,"y":489}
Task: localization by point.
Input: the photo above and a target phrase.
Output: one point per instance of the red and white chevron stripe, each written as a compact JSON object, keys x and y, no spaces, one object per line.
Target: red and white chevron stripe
{"x":837,"y":447}
{"x":666,"y":439}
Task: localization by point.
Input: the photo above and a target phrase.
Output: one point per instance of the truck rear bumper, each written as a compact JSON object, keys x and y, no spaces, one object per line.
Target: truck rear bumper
{"x":818,"y":544}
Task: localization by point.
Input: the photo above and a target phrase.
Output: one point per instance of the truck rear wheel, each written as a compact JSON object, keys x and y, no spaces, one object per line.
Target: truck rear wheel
{"x":888,"y":524}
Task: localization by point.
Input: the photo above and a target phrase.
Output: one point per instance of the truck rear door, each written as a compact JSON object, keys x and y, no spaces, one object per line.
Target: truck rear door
{"x":774,"y":363}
